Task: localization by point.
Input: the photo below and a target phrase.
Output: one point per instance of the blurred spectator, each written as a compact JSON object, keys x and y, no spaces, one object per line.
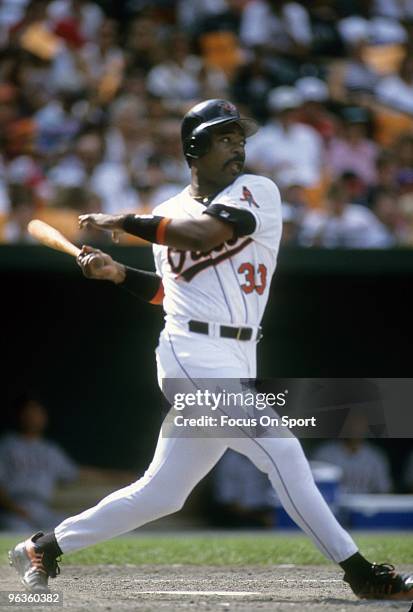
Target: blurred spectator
{"x":314,"y":93}
{"x":355,"y":187}
{"x":242,"y":495}
{"x":31,"y":466}
{"x":22,"y":211}
{"x":327,"y":41}
{"x":285,"y":148}
{"x":184,"y":77}
{"x":365,"y":467}
{"x":253,"y":81}
{"x":403,"y":150}
{"x":143,"y":44}
{"x":227,"y":20}
{"x":280,"y":27}
{"x":168,"y":149}
{"x":353,"y":150}
{"x":86,"y":16}
{"x":396,"y":90}
{"x":291,"y":225}
{"x":344,"y":225}
{"x":56,"y":124}
{"x":128,"y":138}
{"x":352,"y":77}
{"x":376,"y":29}
{"x":387,"y":209}
{"x":104,"y":61}
{"x":400,"y":11}
{"x":189,"y":14}
{"x":386,"y":175}
{"x":87,"y":167}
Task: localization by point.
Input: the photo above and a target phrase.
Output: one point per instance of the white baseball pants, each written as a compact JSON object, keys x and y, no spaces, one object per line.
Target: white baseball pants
{"x":180,"y":463}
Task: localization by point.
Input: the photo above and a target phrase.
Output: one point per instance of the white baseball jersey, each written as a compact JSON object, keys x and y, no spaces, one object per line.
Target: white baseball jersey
{"x":229,"y":284}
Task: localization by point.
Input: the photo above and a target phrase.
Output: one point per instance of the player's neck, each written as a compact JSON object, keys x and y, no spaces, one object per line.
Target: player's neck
{"x":201,"y":189}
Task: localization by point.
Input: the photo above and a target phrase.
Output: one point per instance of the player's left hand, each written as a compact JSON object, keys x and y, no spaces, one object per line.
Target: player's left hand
{"x":99,"y":265}
{"x":112,"y":223}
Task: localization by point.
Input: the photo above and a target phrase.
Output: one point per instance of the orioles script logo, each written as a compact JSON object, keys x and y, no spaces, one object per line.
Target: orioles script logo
{"x":187,"y":264}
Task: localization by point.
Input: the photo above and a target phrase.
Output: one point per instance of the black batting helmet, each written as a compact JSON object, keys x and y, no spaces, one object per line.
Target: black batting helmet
{"x":197,"y":121}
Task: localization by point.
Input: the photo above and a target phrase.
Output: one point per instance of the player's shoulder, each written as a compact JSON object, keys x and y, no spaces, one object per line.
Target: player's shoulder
{"x":254,"y":191}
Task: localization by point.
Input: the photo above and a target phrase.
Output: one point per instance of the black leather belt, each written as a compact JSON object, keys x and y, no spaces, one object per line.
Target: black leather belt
{"x":225,"y":331}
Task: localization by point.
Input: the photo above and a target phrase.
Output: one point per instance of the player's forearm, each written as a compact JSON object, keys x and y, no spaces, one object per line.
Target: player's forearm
{"x":142,"y":284}
{"x":183,"y":234}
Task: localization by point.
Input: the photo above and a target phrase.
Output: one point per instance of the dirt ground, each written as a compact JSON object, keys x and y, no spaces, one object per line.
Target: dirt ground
{"x":177,"y":587}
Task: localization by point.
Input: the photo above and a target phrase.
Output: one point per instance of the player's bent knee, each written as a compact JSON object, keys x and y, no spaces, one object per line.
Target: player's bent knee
{"x":277,"y":452}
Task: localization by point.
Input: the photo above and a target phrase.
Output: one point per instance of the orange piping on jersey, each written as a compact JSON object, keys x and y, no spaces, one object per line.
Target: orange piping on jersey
{"x":161,"y":230}
{"x":158,"y":297}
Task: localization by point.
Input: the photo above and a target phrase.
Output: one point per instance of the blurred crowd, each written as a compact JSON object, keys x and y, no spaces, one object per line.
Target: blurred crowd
{"x":91,"y":100}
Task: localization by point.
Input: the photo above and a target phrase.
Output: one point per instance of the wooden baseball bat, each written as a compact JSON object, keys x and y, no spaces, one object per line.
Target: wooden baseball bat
{"x":51,"y":237}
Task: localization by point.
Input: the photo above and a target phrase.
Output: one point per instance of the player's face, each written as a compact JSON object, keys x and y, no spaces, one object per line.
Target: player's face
{"x":226,"y":156}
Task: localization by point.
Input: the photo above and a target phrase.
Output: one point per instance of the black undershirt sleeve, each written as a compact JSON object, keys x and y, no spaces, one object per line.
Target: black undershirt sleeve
{"x":242,"y":219}
{"x":143,"y":284}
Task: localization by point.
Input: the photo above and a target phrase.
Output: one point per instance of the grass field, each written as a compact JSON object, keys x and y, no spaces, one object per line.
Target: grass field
{"x":238,"y":549}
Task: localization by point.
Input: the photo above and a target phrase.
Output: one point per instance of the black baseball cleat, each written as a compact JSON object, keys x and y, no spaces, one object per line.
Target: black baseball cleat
{"x":33,"y":566}
{"x":383,"y":583}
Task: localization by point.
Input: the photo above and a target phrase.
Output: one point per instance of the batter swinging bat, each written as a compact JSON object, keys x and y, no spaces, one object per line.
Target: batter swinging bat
{"x":51,"y":237}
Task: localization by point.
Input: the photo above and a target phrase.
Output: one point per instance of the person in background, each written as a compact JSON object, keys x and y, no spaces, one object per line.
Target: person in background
{"x":365,"y":467}
{"x":353,"y":150}
{"x":387,"y":209}
{"x":344,"y":225}
{"x":313,"y":112}
{"x":284,"y":147}
{"x":31,"y":466}
{"x":22,"y":211}
{"x":87,"y":166}
{"x":396,"y":90}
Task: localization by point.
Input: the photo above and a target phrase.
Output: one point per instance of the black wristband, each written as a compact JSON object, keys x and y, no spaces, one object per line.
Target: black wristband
{"x":148,"y":227}
{"x":144,"y":285}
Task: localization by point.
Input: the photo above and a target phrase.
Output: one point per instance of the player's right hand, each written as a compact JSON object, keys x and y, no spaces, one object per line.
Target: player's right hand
{"x":111,"y":223}
{"x":98,"y":265}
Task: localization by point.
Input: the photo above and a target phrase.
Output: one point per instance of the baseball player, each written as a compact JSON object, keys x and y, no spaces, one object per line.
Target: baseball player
{"x":215,"y":249}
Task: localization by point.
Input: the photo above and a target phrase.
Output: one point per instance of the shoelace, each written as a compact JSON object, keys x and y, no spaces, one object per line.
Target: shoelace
{"x":387,"y":578}
{"x":384,"y":569}
{"x":47,"y":566}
